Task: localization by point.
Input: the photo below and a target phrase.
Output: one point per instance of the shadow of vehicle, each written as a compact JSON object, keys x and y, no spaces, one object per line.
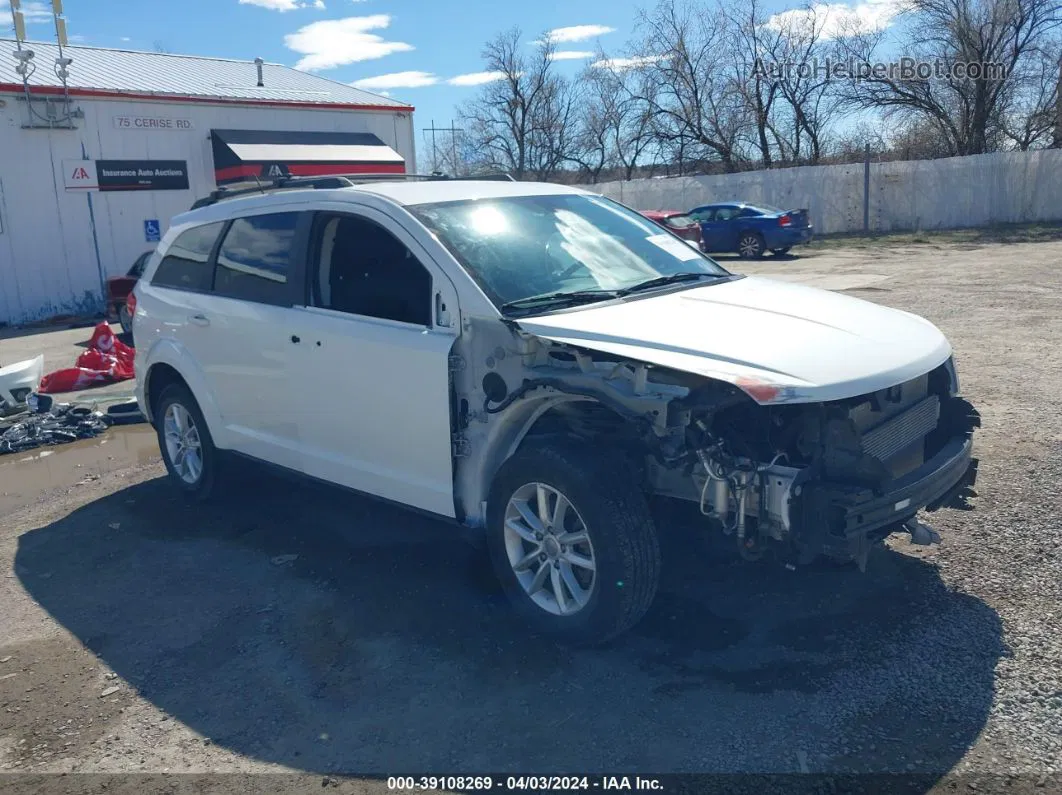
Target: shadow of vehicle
{"x":384,"y":647}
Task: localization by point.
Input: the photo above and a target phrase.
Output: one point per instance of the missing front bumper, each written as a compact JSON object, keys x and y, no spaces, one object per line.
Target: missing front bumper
{"x":844,"y":522}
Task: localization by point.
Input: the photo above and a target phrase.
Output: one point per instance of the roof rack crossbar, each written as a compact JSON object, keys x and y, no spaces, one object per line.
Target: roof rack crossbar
{"x":334,"y":181}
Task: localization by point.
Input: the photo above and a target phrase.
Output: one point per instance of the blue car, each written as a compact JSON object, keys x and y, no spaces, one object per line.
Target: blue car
{"x":751,"y":229}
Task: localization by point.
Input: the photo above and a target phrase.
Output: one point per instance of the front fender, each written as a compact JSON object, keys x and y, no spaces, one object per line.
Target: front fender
{"x":503,"y":437}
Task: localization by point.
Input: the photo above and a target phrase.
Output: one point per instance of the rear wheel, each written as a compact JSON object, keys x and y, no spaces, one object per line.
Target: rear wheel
{"x":125,"y":318}
{"x":750,"y":245}
{"x":572,"y":542}
{"x":185,"y":443}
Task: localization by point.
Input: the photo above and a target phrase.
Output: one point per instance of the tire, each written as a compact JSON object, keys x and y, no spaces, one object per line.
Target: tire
{"x":125,"y":319}
{"x":176,"y":406}
{"x":781,"y":252}
{"x":750,"y":245}
{"x":606,"y":503}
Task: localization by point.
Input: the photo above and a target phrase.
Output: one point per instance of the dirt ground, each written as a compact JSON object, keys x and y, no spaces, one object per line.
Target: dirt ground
{"x":290,"y":629}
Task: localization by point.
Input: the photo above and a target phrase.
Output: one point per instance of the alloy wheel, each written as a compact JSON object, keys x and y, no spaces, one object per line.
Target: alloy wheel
{"x":749,"y":246}
{"x":183,"y":447}
{"x":549,"y":549}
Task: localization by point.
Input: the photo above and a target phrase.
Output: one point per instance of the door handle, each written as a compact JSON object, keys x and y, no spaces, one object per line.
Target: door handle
{"x":199,"y":320}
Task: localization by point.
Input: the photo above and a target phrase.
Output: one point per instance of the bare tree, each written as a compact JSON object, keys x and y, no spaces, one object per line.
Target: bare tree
{"x":615,"y":121}
{"x":997,"y":37}
{"x":752,"y":43}
{"x":810,"y":98}
{"x":521,"y":122}
{"x":682,"y":54}
{"x":1029,"y":116}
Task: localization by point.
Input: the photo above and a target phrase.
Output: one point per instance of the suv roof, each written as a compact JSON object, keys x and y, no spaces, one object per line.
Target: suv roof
{"x":402,"y":193}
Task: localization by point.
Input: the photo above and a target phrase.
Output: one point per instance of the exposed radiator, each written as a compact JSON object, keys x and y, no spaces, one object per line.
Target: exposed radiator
{"x":903,"y":430}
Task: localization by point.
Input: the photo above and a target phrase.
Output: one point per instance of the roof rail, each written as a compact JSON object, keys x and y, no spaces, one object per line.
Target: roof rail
{"x":333,"y":181}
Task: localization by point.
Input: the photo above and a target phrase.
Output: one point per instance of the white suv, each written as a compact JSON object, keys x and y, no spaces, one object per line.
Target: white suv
{"x":537,"y":362}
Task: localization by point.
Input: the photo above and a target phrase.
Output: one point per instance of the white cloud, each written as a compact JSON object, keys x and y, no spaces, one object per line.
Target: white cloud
{"x":476,"y":78}
{"x":274,"y":5}
{"x":335,"y":42}
{"x":571,"y":55}
{"x":126,"y":38}
{"x":413,"y":79}
{"x":32,"y":11}
{"x":837,"y":19}
{"x":578,"y":33}
{"x":621,"y":64}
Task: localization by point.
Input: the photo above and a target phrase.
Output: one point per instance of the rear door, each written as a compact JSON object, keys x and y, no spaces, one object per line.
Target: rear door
{"x":372,"y":361}
{"x":245,"y":324}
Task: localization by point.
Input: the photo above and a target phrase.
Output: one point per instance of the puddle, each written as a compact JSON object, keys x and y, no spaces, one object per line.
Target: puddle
{"x":24,"y":477}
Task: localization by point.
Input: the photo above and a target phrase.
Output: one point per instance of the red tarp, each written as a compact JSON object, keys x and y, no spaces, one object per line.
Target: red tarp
{"x":107,"y":360}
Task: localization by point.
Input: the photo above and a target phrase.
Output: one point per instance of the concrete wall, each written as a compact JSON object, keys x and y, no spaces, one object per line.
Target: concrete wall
{"x":1006,"y":187}
{"x":48,"y":262}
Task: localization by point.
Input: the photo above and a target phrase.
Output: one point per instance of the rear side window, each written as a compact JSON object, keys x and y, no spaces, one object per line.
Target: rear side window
{"x":186,"y":265}
{"x":255,"y":258}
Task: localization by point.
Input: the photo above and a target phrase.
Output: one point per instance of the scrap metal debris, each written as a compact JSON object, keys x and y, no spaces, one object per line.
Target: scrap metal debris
{"x":49,"y":423}
{"x":64,"y":423}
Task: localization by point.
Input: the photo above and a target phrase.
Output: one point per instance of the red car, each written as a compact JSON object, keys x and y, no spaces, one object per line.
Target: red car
{"x":118,"y":289}
{"x":679,"y":223}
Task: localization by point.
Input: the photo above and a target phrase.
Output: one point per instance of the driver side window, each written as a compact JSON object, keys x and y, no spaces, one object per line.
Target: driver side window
{"x":362,"y":269}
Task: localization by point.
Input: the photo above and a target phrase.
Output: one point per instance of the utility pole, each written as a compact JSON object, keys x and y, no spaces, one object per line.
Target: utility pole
{"x":453,"y":143}
{"x":434,"y":153}
{"x":1057,"y":143}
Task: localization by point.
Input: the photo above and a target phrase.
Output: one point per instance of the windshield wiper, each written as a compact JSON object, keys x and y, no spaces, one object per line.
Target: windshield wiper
{"x":573,"y":297}
{"x":674,"y":278}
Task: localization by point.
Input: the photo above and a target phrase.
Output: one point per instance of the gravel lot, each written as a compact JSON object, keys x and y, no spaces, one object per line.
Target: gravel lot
{"x":292,"y":629}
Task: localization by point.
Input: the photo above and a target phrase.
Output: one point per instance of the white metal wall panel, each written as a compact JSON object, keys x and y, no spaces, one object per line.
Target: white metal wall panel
{"x":951,"y":193}
{"x":48,"y":262}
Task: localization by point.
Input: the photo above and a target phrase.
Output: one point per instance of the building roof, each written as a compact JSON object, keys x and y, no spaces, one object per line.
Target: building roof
{"x":97,"y":71}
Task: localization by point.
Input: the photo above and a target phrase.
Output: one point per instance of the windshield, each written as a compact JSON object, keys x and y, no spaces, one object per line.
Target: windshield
{"x":680,"y":221}
{"x":527,"y":246}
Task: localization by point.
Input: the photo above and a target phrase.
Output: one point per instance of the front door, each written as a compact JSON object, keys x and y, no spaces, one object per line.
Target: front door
{"x":372,"y":362}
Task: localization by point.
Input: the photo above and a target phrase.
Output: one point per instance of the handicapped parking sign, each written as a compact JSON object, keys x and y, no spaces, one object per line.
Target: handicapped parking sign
{"x":152,"y":230}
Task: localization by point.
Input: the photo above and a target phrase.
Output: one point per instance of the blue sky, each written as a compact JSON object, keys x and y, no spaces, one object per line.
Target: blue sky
{"x":424,"y":53}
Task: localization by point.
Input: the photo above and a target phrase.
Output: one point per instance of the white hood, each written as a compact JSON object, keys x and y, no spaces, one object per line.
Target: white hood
{"x":780,"y":342}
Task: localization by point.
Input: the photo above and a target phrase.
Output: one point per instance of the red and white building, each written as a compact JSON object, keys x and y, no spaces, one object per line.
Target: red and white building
{"x":91,"y":172}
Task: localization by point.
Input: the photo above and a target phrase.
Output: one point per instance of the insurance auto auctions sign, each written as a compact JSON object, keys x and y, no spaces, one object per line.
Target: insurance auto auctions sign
{"x":123,"y":175}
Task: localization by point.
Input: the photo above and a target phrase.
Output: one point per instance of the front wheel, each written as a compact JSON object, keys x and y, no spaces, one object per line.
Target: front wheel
{"x":750,"y":245}
{"x":572,"y":542}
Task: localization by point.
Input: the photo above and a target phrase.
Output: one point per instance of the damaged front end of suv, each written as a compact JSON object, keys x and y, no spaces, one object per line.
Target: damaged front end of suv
{"x":766,"y":465}
{"x":829,"y":478}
